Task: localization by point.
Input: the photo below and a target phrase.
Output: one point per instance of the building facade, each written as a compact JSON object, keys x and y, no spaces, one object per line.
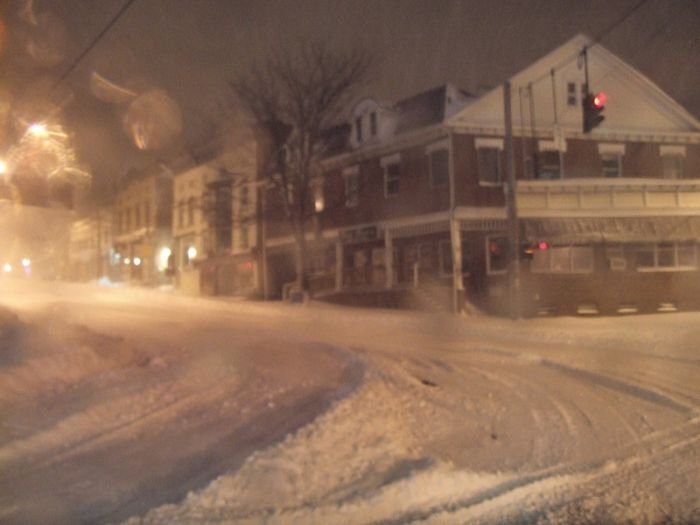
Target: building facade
{"x":90,"y":247}
{"x":214,"y":220}
{"x":414,"y":209}
{"x":141,"y":228}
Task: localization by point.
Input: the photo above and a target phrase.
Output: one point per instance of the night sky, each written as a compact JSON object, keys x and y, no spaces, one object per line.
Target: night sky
{"x":190,"y":48}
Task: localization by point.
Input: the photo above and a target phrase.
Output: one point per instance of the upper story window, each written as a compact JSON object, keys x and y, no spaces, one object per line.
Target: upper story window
{"x":392,"y":175}
{"x":373,"y":123}
{"x":572,"y":95}
{"x":549,"y":160}
{"x":147,"y":214}
{"x":358,"y":129}
{"x":672,"y":161}
{"x":439,"y":164}
{"x":489,"y":167}
{"x":181,"y":214}
{"x":611,"y":157}
{"x":352,"y":187}
{"x":190,"y":211}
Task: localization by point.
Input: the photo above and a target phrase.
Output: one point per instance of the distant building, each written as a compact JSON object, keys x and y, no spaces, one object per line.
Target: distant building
{"x":412,"y":210}
{"x":90,"y":247}
{"x":141,"y":228}
{"x":214,"y":220}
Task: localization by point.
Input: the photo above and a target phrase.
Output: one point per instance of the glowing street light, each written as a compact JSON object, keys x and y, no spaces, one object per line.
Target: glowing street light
{"x":38,"y":130}
{"x":3,"y":167}
{"x":7,"y":268}
{"x":137,"y":261}
{"x":164,"y":258}
{"x":26,"y":262}
{"x":191,"y":252}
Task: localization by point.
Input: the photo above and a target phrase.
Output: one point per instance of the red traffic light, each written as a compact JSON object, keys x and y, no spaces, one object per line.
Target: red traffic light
{"x":599,"y":100}
{"x":543,"y":245}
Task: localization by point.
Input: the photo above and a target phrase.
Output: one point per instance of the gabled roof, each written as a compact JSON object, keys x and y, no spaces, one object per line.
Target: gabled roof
{"x":635,"y":104}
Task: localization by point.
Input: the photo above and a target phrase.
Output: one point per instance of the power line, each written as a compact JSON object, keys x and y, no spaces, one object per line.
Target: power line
{"x":595,"y":41}
{"x":94,"y":41}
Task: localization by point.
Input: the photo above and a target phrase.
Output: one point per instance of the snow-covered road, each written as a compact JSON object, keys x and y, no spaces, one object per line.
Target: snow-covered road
{"x":114,"y":402}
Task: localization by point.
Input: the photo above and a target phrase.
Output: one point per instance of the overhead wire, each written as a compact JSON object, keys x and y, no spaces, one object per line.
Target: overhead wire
{"x":594,"y":42}
{"x":94,"y":41}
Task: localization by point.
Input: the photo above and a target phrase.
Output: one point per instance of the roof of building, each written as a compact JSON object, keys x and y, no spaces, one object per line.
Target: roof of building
{"x":423,"y":109}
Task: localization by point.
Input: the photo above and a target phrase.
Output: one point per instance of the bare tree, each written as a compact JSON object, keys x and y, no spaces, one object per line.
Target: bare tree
{"x":295,"y":97}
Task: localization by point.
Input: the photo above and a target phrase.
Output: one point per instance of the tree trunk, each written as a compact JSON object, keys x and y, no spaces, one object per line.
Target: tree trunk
{"x":302,"y":280}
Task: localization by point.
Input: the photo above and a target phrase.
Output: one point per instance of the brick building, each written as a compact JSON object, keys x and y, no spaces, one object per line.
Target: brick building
{"x":413,"y":210}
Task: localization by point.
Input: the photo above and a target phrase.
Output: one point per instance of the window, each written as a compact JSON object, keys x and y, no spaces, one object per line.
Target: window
{"x":181,"y":214}
{"x":611,"y":157}
{"x":489,"y":165}
{"x":352,"y":188}
{"x":549,"y":165}
{"x":190,"y":211}
{"x":147,"y":214}
{"x":665,"y":256}
{"x":673,"y":166}
{"x":571,"y":99}
{"x":612,"y":165}
{"x":496,"y":254}
{"x":563,"y":259}
{"x":672,"y":161}
{"x":137,"y":216}
{"x":391,"y":179}
{"x":243,"y":241}
{"x":439,"y":168}
{"x":358,"y":129}
{"x":373,"y":123}
{"x":243,"y":199}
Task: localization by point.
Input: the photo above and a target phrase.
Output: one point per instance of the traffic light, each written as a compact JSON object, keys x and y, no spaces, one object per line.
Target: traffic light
{"x":593,"y":106}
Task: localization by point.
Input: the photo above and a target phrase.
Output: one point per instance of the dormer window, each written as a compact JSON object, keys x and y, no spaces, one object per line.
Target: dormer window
{"x":358,"y":129}
{"x":373,"y":123}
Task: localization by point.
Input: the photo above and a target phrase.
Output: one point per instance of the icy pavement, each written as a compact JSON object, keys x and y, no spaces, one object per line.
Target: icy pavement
{"x":120,"y":400}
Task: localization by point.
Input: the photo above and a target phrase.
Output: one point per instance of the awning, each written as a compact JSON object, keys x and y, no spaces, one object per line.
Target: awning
{"x":612,"y":229}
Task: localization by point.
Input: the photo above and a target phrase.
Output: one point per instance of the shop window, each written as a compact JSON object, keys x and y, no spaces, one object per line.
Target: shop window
{"x":496,"y":254}
{"x":358,"y":129}
{"x":665,"y":256}
{"x":563,"y":259}
{"x":439,"y":168}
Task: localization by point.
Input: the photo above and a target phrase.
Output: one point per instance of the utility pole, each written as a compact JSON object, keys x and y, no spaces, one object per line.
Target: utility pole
{"x":511,"y":207}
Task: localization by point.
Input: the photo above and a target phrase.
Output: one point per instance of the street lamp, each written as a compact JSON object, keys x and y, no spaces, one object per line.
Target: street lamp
{"x":38,"y":130}
{"x":3,"y":167}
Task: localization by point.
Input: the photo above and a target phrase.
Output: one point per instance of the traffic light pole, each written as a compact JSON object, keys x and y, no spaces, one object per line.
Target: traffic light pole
{"x":512,"y":210}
